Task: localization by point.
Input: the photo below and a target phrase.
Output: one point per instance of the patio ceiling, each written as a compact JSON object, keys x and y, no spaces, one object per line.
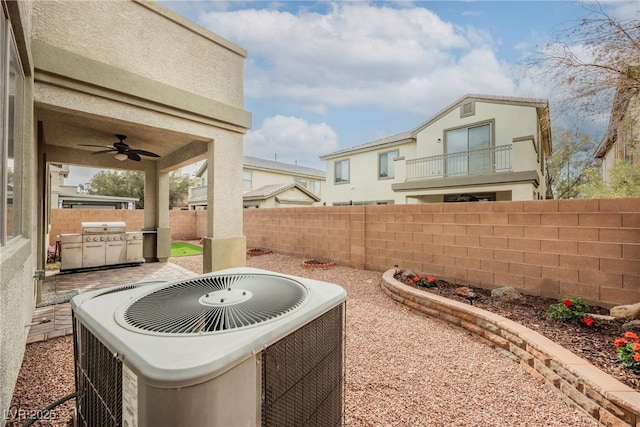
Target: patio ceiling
{"x":62,"y":132}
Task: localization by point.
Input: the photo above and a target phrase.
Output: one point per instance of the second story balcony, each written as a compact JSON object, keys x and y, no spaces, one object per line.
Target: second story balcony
{"x":475,"y":162}
{"x":198,"y":194}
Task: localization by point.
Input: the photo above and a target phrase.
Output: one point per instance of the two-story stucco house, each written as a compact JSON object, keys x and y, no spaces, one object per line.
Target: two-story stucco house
{"x":268,"y":184}
{"x":623,"y":132}
{"x":481,"y":147}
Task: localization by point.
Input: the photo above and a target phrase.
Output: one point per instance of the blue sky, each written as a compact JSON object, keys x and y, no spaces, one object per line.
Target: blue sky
{"x":321,"y":76}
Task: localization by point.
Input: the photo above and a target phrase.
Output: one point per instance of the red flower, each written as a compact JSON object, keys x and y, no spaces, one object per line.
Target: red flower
{"x":431,"y":279}
{"x":632,"y":336}
{"x":587,"y":321}
{"x":636,"y":346}
{"x":636,"y":357}
{"x":619,"y":342}
{"x":567,"y":303}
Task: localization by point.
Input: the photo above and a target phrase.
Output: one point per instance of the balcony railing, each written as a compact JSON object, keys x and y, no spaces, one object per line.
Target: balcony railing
{"x":474,"y":162}
{"x":196,"y":193}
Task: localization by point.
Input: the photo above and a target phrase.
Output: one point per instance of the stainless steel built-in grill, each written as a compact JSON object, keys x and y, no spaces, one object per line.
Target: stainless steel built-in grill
{"x":100,"y":244}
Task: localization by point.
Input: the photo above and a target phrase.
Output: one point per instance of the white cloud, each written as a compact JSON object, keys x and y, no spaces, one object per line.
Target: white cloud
{"x":293,"y":139}
{"x":359,"y":53}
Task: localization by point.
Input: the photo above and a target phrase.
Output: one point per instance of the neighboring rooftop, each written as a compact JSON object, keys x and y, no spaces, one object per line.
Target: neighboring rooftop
{"x":267,"y":191}
{"x":270,"y":165}
{"x":386,"y":141}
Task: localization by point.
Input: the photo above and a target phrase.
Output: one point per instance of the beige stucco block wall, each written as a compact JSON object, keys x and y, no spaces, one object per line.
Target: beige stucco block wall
{"x":135,"y":36}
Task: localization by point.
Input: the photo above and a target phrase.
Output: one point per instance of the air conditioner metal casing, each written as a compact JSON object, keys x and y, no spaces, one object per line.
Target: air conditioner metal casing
{"x":285,"y":371}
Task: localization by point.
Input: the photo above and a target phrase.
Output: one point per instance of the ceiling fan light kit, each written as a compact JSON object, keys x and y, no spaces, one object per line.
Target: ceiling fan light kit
{"x":122,"y":150}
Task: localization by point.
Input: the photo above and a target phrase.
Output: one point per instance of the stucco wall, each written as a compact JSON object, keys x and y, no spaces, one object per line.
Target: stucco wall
{"x":364,"y":184}
{"x":18,"y":258}
{"x":134,"y":38}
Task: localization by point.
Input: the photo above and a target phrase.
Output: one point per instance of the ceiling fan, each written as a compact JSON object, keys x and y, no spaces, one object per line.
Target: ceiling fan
{"x":122,"y":150}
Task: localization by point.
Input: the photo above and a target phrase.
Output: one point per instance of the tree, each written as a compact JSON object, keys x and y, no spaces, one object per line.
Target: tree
{"x":588,"y":59}
{"x":131,"y":184}
{"x":178,"y":189}
{"x":624,"y":181}
{"x":572,"y":153}
{"x":118,"y":183}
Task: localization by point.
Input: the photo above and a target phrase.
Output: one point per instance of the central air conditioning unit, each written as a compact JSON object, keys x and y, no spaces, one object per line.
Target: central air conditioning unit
{"x":240,"y":347}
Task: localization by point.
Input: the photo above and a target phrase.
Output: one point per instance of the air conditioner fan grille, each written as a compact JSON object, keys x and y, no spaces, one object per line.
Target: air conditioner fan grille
{"x":200,"y":305}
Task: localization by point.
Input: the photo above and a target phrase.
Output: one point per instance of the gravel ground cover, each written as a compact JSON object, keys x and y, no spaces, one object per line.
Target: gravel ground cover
{"x":403,"y":369}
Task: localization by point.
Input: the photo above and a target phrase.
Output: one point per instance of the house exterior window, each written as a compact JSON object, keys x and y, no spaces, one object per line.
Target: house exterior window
{"x":341,"y":171}
{"x":385,"y":164}
{"x":467,"y":149}
{"x":312,"y":185}
{"x":247,"y":180}
{"x":11,"y":135}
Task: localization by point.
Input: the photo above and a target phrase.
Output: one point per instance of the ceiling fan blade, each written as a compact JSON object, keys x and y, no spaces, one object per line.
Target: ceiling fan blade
{"x":144,"y":153}
{"x":99,"y":146}
{"x":133,"y":156}
{"x":103,"y":151}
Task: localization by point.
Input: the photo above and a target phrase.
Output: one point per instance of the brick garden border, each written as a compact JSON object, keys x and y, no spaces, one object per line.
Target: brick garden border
{"x":579,"y":383}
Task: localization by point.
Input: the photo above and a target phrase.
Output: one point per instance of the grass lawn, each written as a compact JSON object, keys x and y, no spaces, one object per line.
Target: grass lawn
{"x":184,"y":249}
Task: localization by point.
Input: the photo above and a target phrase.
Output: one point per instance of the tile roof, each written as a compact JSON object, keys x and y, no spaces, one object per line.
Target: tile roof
{"x":283,"y":167}
{"x":271,"y":190}
{"x":255,"y":162}
{"x":401,"y":137}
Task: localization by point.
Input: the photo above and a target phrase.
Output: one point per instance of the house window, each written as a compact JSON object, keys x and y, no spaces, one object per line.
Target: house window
{"x":11,"y":133}
{"x":468,"y":150}
{"x":385,"y":164}
{"x":312,"y":185}
{"x":247,"y":180}
{"x":342,"y":171}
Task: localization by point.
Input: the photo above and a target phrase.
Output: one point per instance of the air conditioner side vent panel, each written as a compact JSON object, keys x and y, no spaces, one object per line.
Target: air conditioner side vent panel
{"x":306,"y":366}
{"x":98,"y":381}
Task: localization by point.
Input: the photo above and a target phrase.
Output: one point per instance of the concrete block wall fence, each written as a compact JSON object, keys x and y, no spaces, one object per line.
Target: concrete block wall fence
{"x":185,"y":225}
{"x":552,"y":248}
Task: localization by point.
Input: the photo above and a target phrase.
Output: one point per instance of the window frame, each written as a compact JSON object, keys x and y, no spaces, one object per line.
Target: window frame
{"x":390,"y":164}
{"x":245,"y":180}
{"x":309,"y":183}
{"x":12,"y":127}
{"x":492,"y":141}
{"x":335,"y":170}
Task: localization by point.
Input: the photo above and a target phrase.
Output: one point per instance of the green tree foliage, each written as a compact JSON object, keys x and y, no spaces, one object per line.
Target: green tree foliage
{"x":572,"y":153}
{"x":178,"y":189}
{"x":624,"y":181}
{"x":118,"y":183}
{"x":131,"y":184}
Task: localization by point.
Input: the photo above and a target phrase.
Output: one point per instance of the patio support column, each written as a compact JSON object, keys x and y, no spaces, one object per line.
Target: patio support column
{"x":150,"y":239}
{"x":224,"y":246}
{"x":164,"y":230}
